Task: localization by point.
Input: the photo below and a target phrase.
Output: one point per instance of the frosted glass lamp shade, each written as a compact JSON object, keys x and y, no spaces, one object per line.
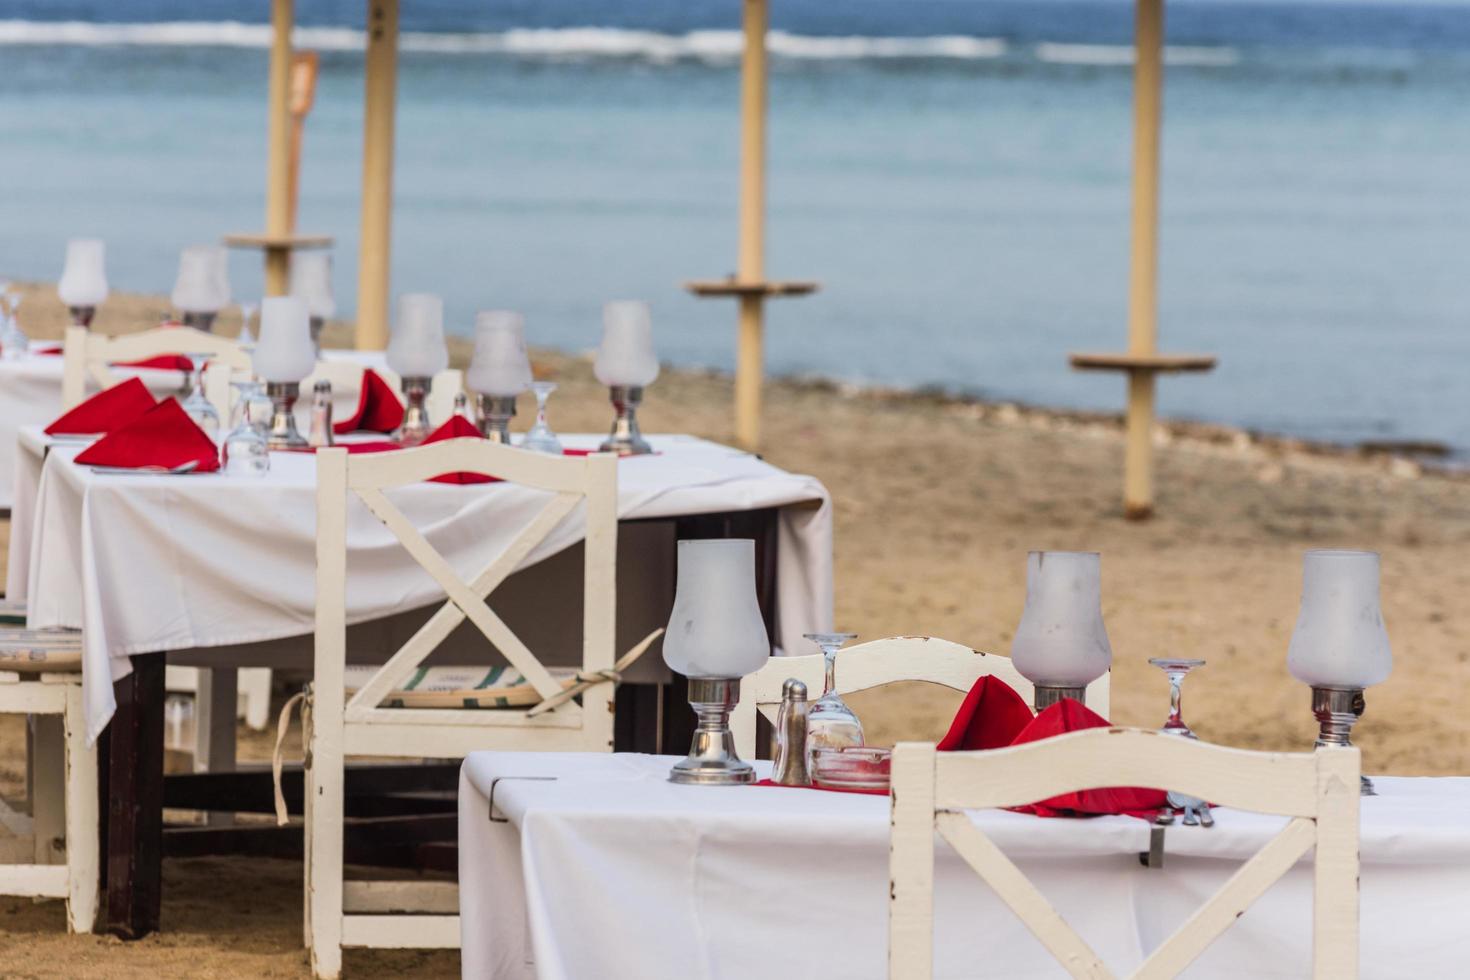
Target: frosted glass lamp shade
{"x":626,"y":357}
{"x":716,"y":629}
{"x":1061,"y":641}
{"x":500,"y":367}
{"x":311,"y":282}
{"x":284,"y":353}
{"x":416,"y":349}
{"x":203,"y":284}
{"x":1340,"y":640}
{"x":84,"y":278}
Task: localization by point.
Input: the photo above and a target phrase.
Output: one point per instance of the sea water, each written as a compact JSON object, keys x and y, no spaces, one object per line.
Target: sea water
{"x":954,"y":172}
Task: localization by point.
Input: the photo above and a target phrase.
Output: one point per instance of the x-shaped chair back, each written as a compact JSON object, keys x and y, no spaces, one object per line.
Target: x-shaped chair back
{"x":931,"y":791}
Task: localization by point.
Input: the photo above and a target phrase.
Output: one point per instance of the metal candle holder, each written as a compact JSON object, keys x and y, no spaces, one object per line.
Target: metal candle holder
{"x":416,"y":424}
{"x":199,"y":320}
{"x":496,"y":411}
{"x":82,"y":315}
{"x":712,"y":760}
{"x":283,"y":433}
{"x":1337,"y":711}
{"x":1047,"y":695}
{"x":625,"y":439}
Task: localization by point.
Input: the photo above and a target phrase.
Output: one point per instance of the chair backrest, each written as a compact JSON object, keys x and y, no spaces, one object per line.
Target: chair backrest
{"x":571,"y":480}
{"x":1319,"y":791}
{"x":346,"y":373}
{"x":879,"y":662}
{"x":90,"y":356}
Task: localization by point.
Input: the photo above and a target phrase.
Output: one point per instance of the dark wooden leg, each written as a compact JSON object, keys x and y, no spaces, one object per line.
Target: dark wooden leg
{"x":134,"y":855}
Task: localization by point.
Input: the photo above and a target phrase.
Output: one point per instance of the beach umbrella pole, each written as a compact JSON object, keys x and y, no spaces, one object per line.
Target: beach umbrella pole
{"x":377,"y":174}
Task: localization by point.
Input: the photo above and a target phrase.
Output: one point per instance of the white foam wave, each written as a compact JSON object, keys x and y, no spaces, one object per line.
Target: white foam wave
{"x":550,"y":42}
{"x":1109,"y":55}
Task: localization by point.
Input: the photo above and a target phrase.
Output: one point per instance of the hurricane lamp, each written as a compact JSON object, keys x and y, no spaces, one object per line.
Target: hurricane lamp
{"x":626,"y":363}
{"x":417,"y":352}
{"x":1061,"y":644}
{"x":202,"y":287}
{"x":83,"y":283}
{"x":283,"y":357}
{"x":499,"y":370}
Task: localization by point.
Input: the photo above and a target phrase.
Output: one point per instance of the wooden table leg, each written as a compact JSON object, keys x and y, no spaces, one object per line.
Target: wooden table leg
{"x":135,"y":801}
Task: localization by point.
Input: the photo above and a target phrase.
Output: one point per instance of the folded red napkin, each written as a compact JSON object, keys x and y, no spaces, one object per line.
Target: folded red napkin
{"x":160,"y":362}
{"x":164,"y":436}
{"x":1070,"y":716}
{"x":991,"y":717}
{"x":378,"y":408}
{"x":105,"y":411}
{"x":458,"y":427}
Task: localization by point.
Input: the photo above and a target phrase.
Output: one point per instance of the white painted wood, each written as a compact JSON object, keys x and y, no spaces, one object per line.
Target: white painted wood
{"x":83,"y":852}
{"x":33,"y":698}
{"x":399,"y":897}
{"x":34,"y":880}
{"x":360,"y":727}
{"x":1319,"y":790}
{"x":48,"y":789}
{"x":90,"y":355}
{"x":879,"y":662}
{"x":1012,"y":887}
{"x":402,"y":931}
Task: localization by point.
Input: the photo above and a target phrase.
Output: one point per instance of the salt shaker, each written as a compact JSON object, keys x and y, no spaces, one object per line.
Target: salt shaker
{"x":321,"y":414}
{"x":790,"y":767}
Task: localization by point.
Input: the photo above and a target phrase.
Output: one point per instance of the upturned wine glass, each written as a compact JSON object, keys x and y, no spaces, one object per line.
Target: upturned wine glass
{"x":830,"y":722}
{"x":1176,"y":670}
{"x":540,"y":438}
{"x":246,"y":450}
{"x":196,"y":405}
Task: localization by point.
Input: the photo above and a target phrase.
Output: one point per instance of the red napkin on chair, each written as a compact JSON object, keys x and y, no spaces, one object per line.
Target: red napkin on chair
{"x":458,"y":427}
{"x":105,"y":411}
{"x":991,"y":717}
{"x":164,"y":436}
{"x":378,"y":408}
{"x":160,"y":362}
{"x":1070,"y":716}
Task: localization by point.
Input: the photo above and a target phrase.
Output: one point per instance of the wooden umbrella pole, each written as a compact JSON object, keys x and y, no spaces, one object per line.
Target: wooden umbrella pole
{"x":1143,"y":270}
{"x":750,"y":357}
{"x":377,"y":174}
{"x":278,"y":148}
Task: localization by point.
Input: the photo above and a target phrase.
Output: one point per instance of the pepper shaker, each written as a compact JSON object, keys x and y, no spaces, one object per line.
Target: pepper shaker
{"x":321,"y":414}
{"x":790,"y":767}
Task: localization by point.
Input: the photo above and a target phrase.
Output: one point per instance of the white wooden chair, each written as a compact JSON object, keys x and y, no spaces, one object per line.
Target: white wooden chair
{"x":51,"y":852}
{"x":879,"y":662}
{"x":90,"y":356}
{"x":1319,"y":791}
{"x":362,"y":726}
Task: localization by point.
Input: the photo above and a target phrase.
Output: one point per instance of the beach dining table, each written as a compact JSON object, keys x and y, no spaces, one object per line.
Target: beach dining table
{"x":776,"y":882}
{"x":30,"y":395}
{"x":220,"y":569}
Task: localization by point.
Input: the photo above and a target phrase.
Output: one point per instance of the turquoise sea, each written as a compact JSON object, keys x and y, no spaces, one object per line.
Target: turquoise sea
{"x":955,"y":172}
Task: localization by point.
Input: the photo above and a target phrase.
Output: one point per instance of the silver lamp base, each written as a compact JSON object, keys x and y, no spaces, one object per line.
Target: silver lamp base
{"x":625,"y":439}
{"x":199,"y":320}
{"x":712,"y":760}
{"x":82,"y":315}
{"x":283,"y":433}
{"x":496,"y":411}
{"x":416,"y":425}
{"x":1337,"y":711}
{"x":1047,"y":695}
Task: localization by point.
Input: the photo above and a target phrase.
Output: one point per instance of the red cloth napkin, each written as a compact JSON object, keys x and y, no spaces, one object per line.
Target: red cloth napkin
{"x":105,"y":411}
{"x":160,"y":362}
{"x":458,"y":427}
{"x":378,"y":408}
{"x":164,"y":436}
{"x":1070,"y":716}
{"x":991,"y":717}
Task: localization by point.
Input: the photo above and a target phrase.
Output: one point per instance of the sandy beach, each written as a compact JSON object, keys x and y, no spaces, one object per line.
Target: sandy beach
{"x":937,"y":502}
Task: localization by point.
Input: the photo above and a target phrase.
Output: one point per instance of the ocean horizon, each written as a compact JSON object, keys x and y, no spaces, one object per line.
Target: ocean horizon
{"x":954,"y":172}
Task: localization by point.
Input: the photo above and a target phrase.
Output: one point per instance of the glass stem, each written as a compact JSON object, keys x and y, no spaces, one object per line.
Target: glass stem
{"x":1176,"y":698}
{"x":830,"y":685}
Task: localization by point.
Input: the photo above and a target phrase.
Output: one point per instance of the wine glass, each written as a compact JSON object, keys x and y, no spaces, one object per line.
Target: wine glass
{"x":196,"y":405}
{"x":1196,"y":810}
{"x":540,"y":438}
{"x":830,"y":722}
{"x":13,"y":343}
{"x":1176,"y":670}
{"x":246,"y":450}
{"x":246,"y":339}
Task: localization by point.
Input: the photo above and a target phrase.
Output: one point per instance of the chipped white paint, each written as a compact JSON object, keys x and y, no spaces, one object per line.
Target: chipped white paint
{"x":1320,"y":791}
{"x":340,"y":728}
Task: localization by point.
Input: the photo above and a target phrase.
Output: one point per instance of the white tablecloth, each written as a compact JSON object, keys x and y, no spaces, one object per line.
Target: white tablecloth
{"x":612,"y":872}
{"x":30,"y":395}
{"x":147,"y":563}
